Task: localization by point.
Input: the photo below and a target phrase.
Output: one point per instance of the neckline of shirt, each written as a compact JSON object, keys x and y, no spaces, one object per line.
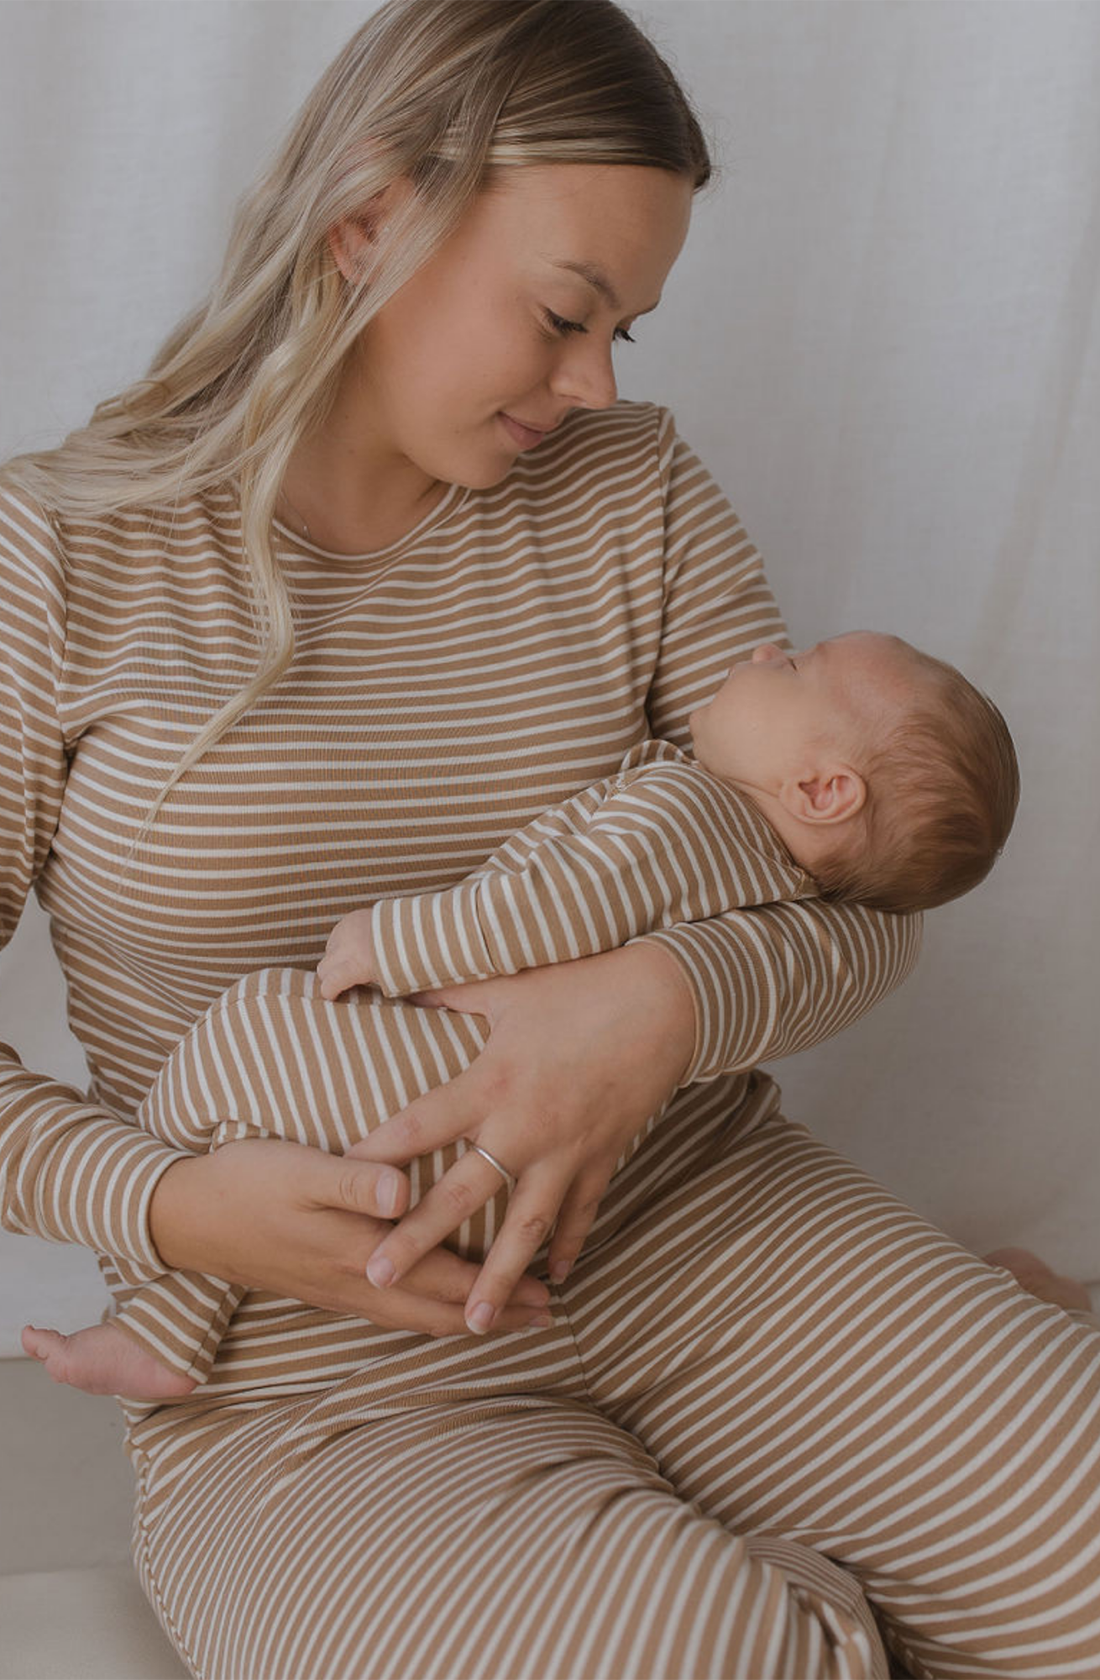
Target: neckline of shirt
{"x":450,"y":502}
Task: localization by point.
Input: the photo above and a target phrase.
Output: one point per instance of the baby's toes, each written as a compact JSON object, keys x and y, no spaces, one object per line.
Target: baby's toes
{"x":49,"y":1347}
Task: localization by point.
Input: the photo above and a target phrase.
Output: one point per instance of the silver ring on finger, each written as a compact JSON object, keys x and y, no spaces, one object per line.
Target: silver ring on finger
{"x":509,"y":1178}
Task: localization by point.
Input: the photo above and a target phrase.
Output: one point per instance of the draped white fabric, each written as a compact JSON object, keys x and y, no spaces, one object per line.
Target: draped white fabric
{"x":882,"y":336}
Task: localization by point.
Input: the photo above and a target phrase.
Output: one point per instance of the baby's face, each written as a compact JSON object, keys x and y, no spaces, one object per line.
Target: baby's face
{"x":777,"y":710}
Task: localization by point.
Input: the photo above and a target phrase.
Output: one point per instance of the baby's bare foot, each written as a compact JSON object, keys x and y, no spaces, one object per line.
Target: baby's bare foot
{"x":104,"y":1360}
{"x":1037,"y":1278}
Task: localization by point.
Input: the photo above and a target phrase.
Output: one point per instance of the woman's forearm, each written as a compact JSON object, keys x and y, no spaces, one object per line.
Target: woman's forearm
{"x":72,"y":1171}
{"x":769,"y":982}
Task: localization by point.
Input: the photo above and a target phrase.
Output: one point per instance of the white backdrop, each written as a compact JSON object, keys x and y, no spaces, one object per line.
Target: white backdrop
{"x":882,"y":337}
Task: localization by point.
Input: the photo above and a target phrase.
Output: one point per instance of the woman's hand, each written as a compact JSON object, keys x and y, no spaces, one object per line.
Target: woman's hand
{"x":579,"y":1056}
{"x":281,"y":1217}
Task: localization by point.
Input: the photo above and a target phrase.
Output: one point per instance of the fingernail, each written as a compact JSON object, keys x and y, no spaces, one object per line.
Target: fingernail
{"x":389,"y":1189}
{"x":559,"y":1271}
{"x":480,"y":1317}
{"x":380,"y":1271}
{"x":541,"y":1321}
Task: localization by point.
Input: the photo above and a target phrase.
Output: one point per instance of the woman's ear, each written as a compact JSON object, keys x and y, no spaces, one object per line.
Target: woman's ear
{"x":830,"y":795}
{"x":349,"y":242}
{"x":354,"y":241}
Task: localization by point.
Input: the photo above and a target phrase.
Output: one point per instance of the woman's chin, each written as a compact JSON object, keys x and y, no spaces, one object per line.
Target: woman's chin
{"x":483,"y":475}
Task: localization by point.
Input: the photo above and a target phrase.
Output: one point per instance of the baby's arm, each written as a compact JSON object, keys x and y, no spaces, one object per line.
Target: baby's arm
{"x":659,"y":844}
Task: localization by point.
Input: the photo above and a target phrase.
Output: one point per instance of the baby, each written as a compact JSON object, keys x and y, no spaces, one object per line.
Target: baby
{"x":859,"y":770}
{"x":887,"y":778}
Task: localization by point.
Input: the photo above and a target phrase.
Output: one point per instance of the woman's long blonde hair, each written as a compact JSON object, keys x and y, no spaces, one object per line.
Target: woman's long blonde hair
{"x":437,"y":92}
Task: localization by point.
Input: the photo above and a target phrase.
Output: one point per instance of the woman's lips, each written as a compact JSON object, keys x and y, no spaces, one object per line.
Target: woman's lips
{"x":525,"y":436}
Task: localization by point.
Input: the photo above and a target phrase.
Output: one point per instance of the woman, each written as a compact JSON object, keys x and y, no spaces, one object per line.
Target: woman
{"x":371,"y":570}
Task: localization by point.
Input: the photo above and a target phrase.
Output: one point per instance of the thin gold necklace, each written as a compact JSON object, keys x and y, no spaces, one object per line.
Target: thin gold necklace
{"x":297,"y":515}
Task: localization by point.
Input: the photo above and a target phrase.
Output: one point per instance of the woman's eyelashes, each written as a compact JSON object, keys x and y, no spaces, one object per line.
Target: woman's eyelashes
{"x":562,"y":327}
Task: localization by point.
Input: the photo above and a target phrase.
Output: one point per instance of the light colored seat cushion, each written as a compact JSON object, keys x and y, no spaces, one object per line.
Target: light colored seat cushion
{"x":81,"y":1624}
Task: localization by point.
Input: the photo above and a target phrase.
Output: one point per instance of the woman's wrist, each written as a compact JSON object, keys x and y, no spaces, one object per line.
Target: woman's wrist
{"x":667,"y":1002}
{"x":182,"y":1190}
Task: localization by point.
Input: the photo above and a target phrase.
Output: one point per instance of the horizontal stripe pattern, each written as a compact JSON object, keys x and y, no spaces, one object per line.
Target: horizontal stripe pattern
{"x":661,"y":842}
{"x":445,"y":692}
{"x":771,"y":1368}
{"x":273,"y":1058}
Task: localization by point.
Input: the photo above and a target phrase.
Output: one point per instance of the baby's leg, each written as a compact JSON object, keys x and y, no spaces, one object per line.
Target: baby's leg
{"x":270,"y":1058}
{"x":163,"y":1340}
{"x":159,"y":1345}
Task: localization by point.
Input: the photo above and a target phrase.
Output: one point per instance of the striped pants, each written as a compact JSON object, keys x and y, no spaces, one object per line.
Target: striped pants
{"x":771,"y":1399}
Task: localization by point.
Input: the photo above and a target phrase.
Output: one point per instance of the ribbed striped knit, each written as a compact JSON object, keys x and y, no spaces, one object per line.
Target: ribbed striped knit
{"x":444,"y":693}
{"x":762,"y":1367}
{"x":661,"y":842}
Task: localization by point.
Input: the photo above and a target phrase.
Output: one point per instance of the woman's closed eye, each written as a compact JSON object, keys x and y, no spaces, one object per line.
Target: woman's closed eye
{"x":564,"y":327}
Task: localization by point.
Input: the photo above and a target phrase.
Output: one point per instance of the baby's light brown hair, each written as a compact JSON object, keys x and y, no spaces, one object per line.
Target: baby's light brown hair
{"x":942,"y":789}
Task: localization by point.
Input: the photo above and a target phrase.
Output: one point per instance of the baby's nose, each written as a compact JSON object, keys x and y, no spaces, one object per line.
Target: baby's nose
{"x":767,"y":650}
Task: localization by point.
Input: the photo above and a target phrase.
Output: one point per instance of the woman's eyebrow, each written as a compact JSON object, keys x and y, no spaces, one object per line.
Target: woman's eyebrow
{"x":599,"y":282}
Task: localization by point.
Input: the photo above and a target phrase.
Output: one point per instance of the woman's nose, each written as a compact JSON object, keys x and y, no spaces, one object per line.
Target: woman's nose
{"x":585,"y":376}
{"x":766,"y":650}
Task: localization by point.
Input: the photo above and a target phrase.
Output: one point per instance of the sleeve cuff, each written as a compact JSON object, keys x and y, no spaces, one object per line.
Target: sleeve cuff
{"x":133,"y":1239}
{"x":773,"y":981}
{"x":710,"y":998}
{"x":95,"y":1188}
{"x":430,"y":940}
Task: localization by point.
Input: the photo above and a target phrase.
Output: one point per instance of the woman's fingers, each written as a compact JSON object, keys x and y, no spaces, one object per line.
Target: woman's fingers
{"x":295,"y":1221}
{"x":412,"y":1248}
{"x":359,"y":1186}
{"x":458,"y":1195}
{"x":435,"y":1292}
{"x":402,"y":1309}
{"x":532,"y":1211}
{"x":473,"y":997}
{"x":439,"y":1117}
{"x":575,"y":1220}
{"x":448,"y":1278}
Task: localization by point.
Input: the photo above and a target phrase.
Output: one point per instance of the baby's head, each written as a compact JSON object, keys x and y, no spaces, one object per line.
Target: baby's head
{"x":890,"y":778}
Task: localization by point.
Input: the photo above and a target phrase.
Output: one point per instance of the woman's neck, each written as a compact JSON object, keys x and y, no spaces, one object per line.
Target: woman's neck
{"x":346,"y":489}
{"x":347,"y":512}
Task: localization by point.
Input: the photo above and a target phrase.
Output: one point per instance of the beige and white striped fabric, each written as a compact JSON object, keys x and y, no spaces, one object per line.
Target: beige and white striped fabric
{"x":770,"y":1385}
{"x":660,"y":842}
{"x":762,"y":1365}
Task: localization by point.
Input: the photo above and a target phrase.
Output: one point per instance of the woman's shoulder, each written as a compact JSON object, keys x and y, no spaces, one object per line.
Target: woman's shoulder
{"x":68,"y":541}
{"x":29,"y":541}
{"x":625,"y":435}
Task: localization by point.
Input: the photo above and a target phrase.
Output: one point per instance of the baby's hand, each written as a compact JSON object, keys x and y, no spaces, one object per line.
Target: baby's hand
{"x":349,"y":955}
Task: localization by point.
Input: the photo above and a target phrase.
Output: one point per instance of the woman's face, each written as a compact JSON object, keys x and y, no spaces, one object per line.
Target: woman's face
{"x":512,"y":322}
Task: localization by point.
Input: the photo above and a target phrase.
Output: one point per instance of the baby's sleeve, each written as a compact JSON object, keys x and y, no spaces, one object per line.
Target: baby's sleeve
{"x":660,"y":844}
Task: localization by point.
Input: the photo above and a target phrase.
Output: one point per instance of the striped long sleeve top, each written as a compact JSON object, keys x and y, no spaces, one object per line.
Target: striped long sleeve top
{"x":662,"y":841}
{"x":444,"y":692}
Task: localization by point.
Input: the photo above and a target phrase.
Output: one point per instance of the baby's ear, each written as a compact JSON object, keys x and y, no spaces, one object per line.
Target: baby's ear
{"x":828,"y":796}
